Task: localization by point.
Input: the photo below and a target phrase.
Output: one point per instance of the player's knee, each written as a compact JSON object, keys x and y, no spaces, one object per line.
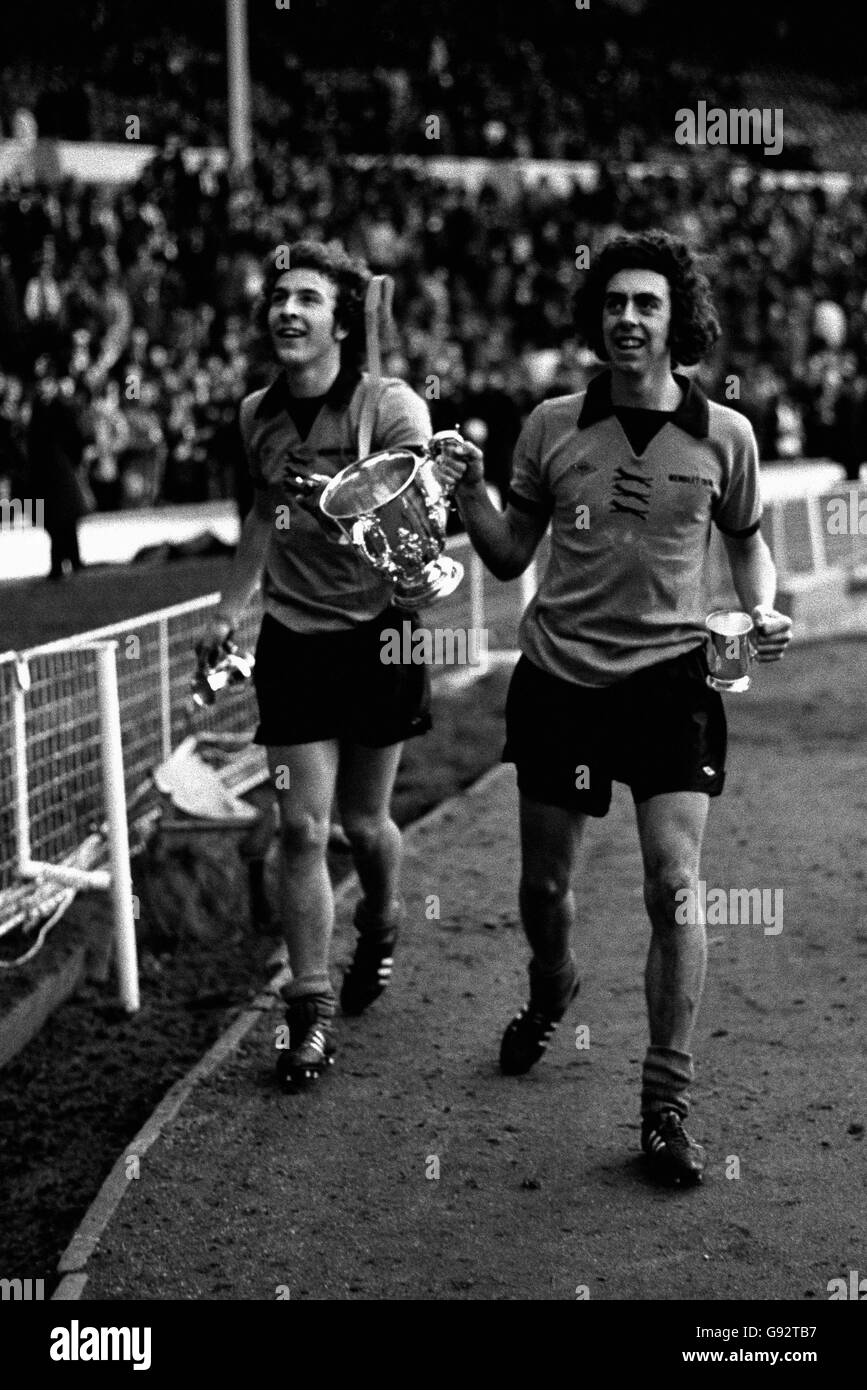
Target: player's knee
{"x":364,"y":832}
{"x":303,"y":835}
{"x":665,"y":880}
{"x":544,"y":890}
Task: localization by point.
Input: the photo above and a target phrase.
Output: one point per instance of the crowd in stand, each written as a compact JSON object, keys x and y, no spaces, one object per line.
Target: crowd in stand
{"x":129,"y":309}
{"x":558,"y":87}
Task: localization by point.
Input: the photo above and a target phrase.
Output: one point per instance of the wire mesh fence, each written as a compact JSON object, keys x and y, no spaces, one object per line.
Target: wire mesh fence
{"x":64,"y":792}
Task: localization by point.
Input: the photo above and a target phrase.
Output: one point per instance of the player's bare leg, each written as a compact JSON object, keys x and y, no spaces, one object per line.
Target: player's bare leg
{"x":550,"y":837}
{"x":364,"y":789}
{"x":305,"y":776}
{"x":670,"y":829}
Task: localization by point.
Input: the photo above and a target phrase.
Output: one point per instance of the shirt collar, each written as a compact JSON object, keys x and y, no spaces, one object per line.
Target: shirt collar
{"x":278,"y":396}
{"x":692,"y":415}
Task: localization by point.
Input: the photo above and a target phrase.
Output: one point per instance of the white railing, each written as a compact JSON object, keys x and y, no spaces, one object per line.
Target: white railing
{"x":51,"y":795}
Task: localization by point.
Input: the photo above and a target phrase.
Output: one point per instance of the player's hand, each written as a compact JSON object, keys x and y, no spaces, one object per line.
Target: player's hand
{"x":773,"y":633}
{"x":211,"y":643}
{"x":460,"y":465}
{"x":307,"y":492}
{"x":308,"y":489}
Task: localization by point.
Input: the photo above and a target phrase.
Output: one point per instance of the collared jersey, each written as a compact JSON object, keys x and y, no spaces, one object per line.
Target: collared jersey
{"x":625,"y":583}
{"x":311,"y":582}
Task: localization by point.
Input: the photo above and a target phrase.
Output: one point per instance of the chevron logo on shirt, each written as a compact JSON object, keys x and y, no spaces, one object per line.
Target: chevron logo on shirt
{"x":631,"y":488}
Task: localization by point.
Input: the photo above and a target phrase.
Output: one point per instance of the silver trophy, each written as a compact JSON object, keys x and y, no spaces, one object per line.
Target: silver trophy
{"x":393,"y":508}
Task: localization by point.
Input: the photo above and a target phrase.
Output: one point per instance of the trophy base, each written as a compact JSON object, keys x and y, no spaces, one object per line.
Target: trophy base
{"x":729,"y":687}
{"x":438,"y":579}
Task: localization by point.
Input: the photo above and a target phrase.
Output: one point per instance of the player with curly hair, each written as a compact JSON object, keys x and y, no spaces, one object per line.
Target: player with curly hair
{"x":694,"y":328}
{"x":611,"y":685}
{"x":333,"y":717}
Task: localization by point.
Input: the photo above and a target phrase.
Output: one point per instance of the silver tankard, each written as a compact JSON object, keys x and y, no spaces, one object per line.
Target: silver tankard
{"x":393,"y":508}
{"x":731,"y":651}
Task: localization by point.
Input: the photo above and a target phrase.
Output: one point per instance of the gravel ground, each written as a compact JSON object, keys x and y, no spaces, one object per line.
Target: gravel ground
{"x":71,"y":1101}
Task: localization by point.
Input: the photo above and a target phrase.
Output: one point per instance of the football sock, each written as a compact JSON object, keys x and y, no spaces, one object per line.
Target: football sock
{"x":550,"y":987}
{"x":665,"y":1078}
{"x":306,"y":985}
{"x":381,"y":923}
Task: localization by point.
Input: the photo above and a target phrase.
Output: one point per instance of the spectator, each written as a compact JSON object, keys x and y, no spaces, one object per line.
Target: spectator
{"x":112,"y":305}
{"x":14,"y":419}
{"x":11,"y":316}
{"x":154,"y":282}
{"x":55,"y":444}
{"x":142,"y":462}
{"x":110,"y":439}
{"x":43,"y":303}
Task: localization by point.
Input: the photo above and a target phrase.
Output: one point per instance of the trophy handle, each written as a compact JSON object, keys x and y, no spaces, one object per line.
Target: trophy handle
{"x":437,"y":445}
{"x":362,"y":530}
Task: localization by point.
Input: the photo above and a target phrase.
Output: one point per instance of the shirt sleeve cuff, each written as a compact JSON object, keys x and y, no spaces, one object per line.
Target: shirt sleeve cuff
{"x":523,"y":504}
{"x":740,"y":535}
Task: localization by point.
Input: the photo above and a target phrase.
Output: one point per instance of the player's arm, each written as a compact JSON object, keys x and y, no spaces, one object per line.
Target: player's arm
{"x":505,"y":541}
{"x":737,"y":516}
{"x":245,"y":572}
{"x":755,"y":579}
{"x":249,"y":561}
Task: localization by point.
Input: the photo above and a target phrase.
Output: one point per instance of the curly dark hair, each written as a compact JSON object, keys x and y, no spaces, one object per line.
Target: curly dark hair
{"x":694,"y":324}
{"x":349,"y":275}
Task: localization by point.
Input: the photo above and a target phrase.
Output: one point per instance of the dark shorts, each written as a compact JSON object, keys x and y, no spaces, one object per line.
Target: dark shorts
{"x":333,"y":685}
{"x":661,"y":730}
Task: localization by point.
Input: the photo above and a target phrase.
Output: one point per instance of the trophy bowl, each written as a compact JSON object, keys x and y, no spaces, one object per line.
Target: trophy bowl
{"x":392,"y":507}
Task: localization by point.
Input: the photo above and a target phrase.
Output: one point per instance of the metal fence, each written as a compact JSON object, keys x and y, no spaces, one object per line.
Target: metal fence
{"x":51,"y":755}
{"x":50,"y":751}
{"x":64,"y":802}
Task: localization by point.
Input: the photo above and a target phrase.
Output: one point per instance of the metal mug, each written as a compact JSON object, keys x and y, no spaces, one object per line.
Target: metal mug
{"x":392,"y":507}
{"x":730,"y":651}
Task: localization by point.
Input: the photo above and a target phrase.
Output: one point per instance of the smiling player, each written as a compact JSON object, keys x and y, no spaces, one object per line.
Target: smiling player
{"x":630,"y":474}
{"x":332,"y":716}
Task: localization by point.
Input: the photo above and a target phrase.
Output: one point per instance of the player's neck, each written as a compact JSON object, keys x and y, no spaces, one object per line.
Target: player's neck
{"x":314,"y":378}
{"x":651,"y":391}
